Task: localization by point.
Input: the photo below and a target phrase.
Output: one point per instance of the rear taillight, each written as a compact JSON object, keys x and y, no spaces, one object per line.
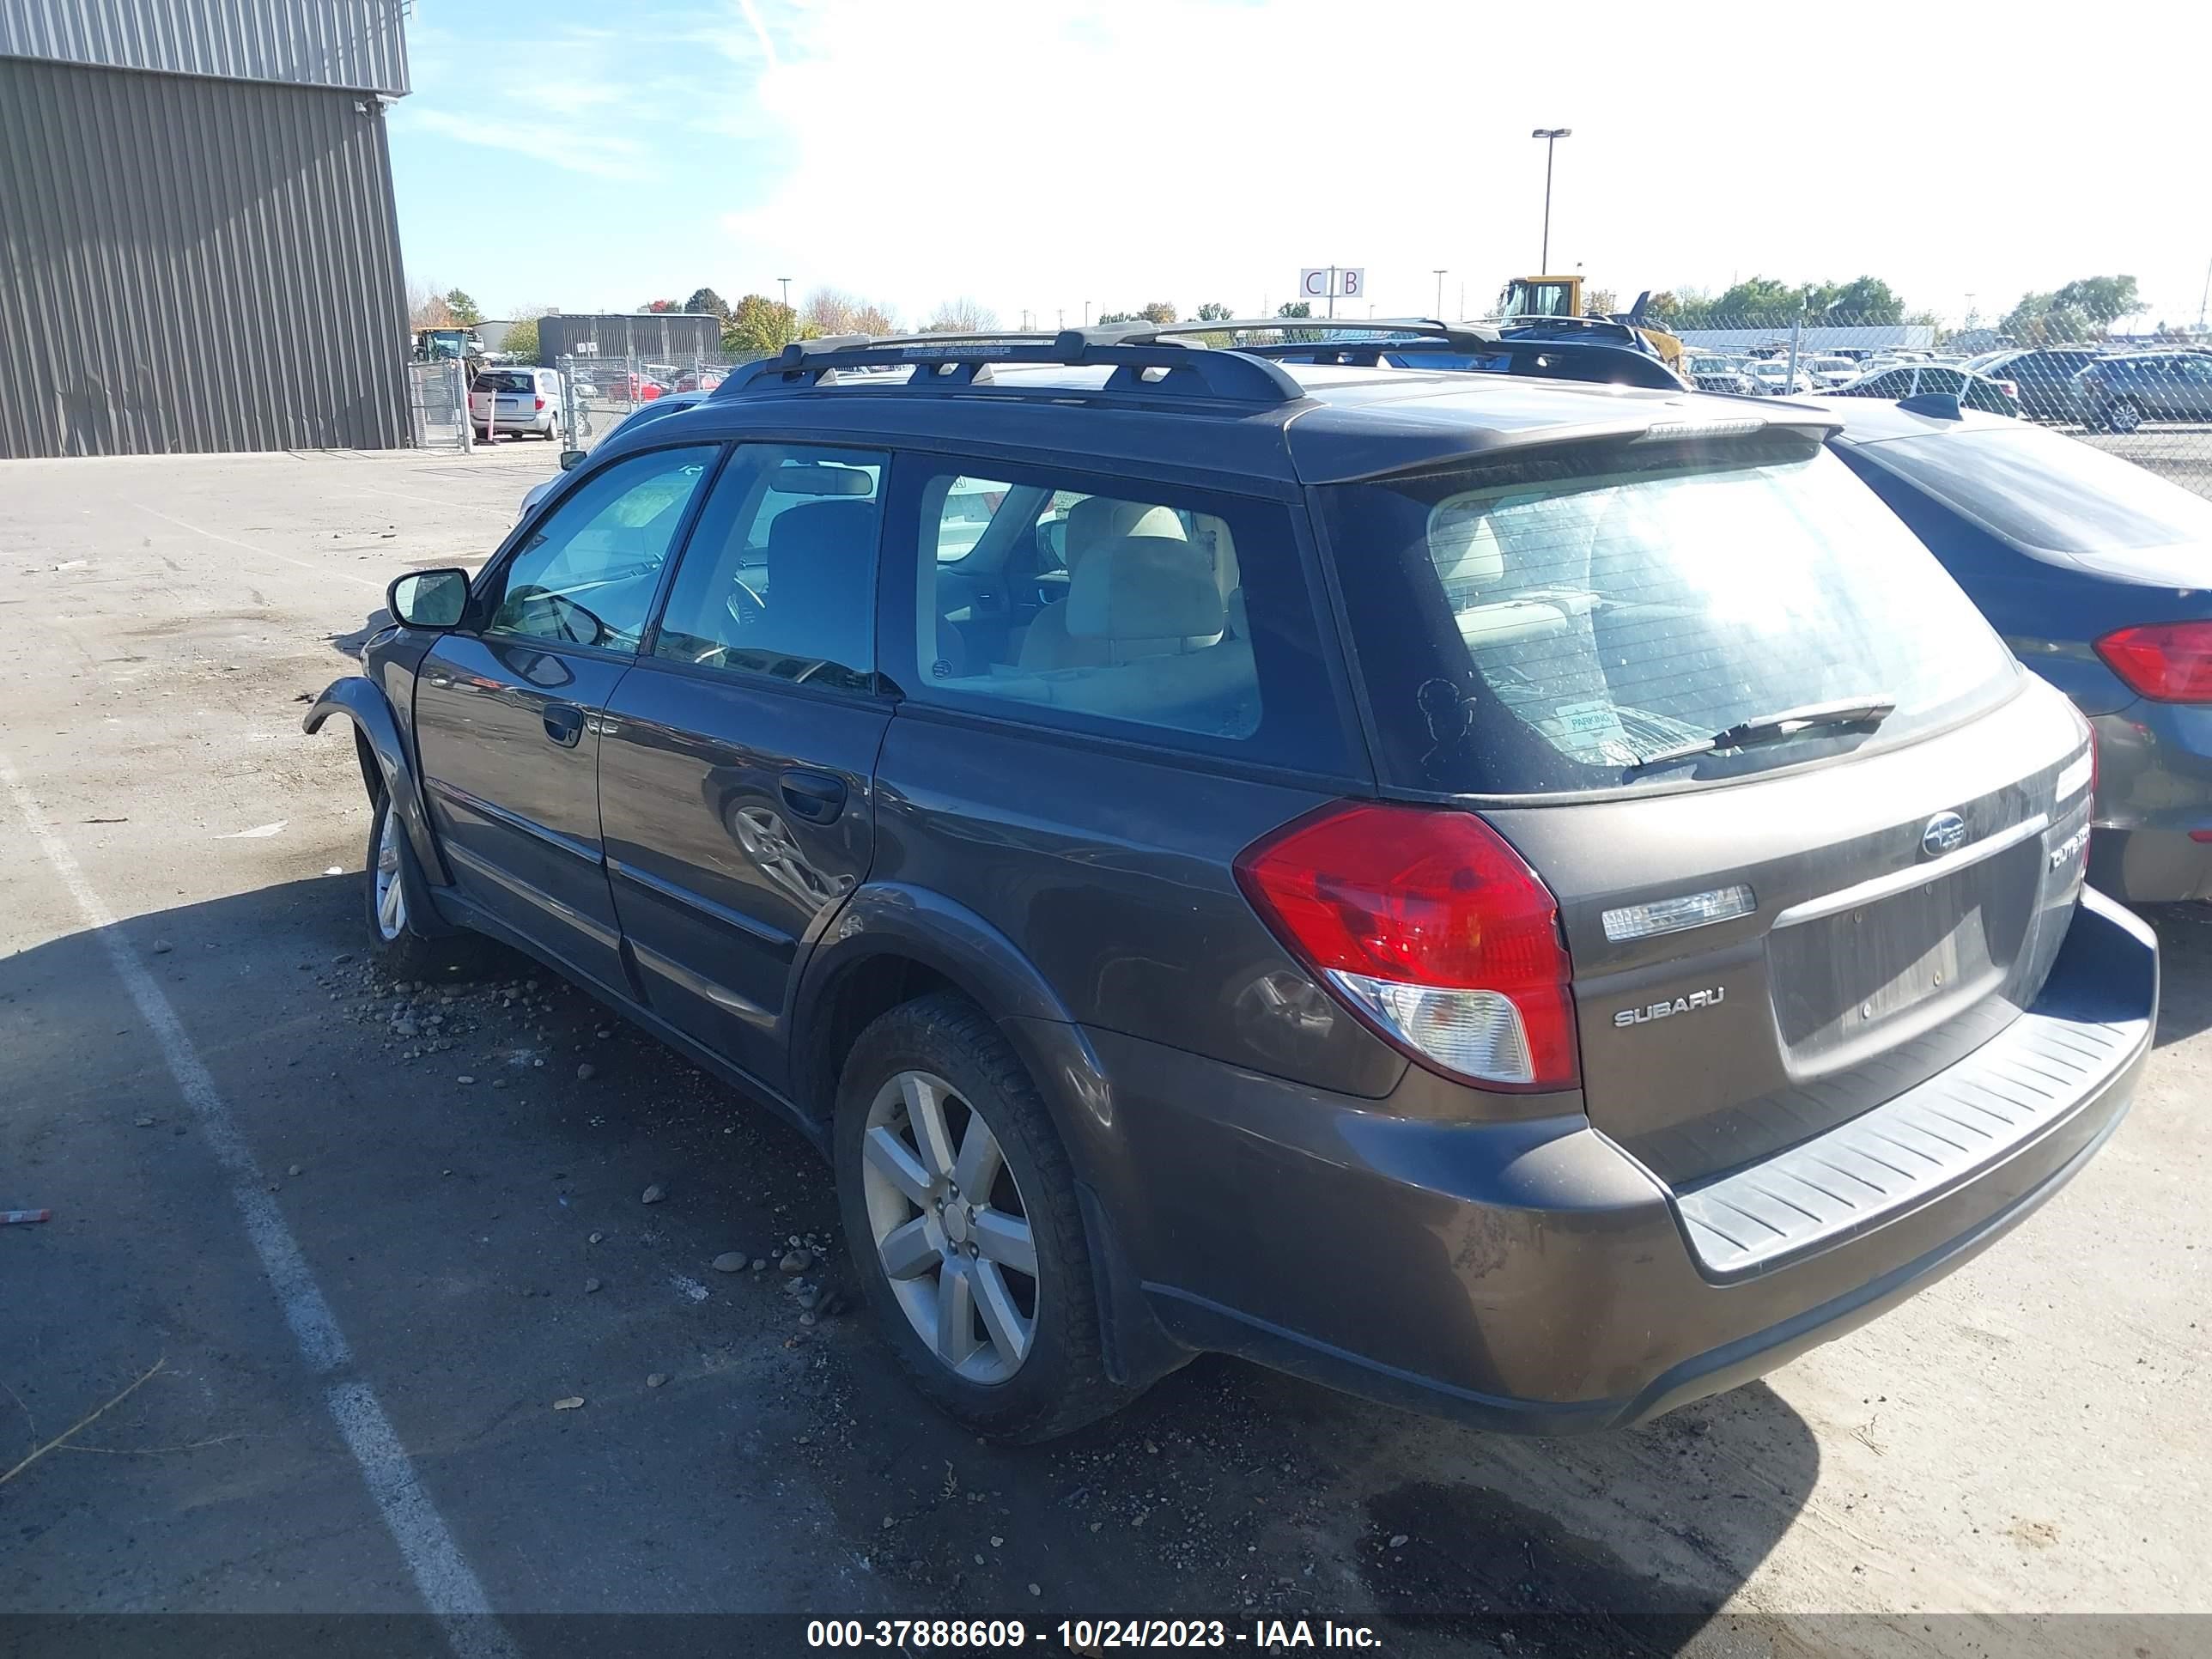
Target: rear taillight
{"x":2169,"y":662}
{"x":1435,"y":931}
{"x":2010,"y":388}
{"x":541,"y":403}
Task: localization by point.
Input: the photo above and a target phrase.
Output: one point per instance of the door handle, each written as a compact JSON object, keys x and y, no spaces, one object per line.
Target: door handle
{"x":815,"y":796}
{"x":564,"y":723}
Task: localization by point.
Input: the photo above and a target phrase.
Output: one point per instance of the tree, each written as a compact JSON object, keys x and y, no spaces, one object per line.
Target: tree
{"x":2081,"y":310}
{"x":1214,"y":311}
{"x":832,"y":310}
{"x":759,"y":327}
{"x":1158,"y":310}
{"x":706,"y":301}
{"x":961,"y":316}
{"x":1600,"y":302}
{"x":427,"y":308}
{"x":520,"y":341}
{"x":874,"y":319}
{"x":658,"y":305}
{"x":463,"y":309}
{"x":1294,"y":308}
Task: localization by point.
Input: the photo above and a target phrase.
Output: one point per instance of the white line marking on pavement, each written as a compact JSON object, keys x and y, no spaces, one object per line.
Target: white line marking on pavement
{"x":448,"y":1586}
{"x":230,"y":541}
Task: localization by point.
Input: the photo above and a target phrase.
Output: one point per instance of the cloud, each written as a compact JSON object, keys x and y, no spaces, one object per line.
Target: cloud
{"x":1039,"y":153}
{"x":601,"y":153}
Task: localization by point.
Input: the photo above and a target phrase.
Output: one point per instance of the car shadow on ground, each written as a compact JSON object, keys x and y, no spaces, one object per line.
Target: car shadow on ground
{"x":1225,"y":1489}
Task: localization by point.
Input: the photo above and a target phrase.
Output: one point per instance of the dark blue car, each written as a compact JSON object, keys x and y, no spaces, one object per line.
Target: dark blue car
{"x":2098,"y":575}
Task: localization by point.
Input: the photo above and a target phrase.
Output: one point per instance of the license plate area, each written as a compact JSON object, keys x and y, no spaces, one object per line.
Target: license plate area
{"x":1889,"y":958}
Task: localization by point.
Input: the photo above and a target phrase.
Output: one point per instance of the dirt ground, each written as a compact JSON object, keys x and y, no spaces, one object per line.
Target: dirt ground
{"x":366,"y":1236}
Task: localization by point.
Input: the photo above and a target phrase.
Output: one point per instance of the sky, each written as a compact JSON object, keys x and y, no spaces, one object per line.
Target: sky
{"x":1044,"y":155}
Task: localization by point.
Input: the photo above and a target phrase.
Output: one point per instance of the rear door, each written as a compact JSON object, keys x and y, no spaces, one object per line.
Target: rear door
{"x":507,"y":708}
{"x":738,"y":758}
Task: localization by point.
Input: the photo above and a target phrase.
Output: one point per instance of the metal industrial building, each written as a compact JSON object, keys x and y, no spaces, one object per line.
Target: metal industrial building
{"x":673,"y":336}
{"x":201,"y":248}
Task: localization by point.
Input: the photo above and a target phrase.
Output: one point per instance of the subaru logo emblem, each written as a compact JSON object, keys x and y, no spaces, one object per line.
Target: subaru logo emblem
{"x":1946,"y":833}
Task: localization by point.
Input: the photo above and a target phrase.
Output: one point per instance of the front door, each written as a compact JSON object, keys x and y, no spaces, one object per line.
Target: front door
{"x":737,"y":768}
{"x":508,"y":708}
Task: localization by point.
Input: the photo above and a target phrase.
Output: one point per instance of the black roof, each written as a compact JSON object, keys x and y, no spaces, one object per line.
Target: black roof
{"x":1139,"y":396}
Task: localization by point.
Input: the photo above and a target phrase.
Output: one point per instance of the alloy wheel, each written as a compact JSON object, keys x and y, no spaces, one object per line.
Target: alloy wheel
{"x":952,"y":1232}
{"x":391,"y":891}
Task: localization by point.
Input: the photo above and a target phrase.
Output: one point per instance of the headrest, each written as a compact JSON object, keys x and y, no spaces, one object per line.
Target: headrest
{"x":825,"y":530}
{"x":1143,"y":587}
{"x":818,"y":558}
{"x":1468,"y":556}
{"x":1097,"y":520}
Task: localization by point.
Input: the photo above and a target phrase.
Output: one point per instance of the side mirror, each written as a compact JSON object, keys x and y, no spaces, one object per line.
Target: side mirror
{"x":429,"y":598}
{"x":572,"y":458}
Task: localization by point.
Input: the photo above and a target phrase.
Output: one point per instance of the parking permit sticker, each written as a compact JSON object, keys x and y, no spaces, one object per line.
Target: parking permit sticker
{"x":1583,"y":718}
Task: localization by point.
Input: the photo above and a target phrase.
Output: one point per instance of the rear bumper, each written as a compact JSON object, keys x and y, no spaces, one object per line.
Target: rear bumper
{"x":1531,"y":1277}
{"x":2153,"y":792}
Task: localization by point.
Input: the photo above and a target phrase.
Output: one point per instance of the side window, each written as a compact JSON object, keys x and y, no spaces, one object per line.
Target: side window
{"x":588,"y":573}
{"x":1153,"y":630}
{"x":780,"y":577}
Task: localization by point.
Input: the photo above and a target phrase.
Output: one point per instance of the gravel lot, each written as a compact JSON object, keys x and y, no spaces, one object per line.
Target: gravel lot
{"x":196,"y":1070}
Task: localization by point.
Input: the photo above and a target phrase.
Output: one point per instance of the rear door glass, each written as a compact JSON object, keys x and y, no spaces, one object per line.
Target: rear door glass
{"x":1557,"y":623}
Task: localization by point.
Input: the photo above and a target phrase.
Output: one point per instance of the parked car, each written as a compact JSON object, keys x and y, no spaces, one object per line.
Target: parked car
{"x":1774,"y":379}
{"x":2042,"y":380}
{"x":1941,"y":380}
{"x":1729,"y":375}
{"x":527,"y":400}
{"x":700,"y":379}
{"x":1830,"y":371}
{"x":2120,"y":393}
{"x":2092,"y":569}
{"x":1529,"y":900}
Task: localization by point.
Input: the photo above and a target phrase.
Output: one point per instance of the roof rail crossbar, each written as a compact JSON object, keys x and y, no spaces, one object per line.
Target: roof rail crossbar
{"x":1138,"y":362}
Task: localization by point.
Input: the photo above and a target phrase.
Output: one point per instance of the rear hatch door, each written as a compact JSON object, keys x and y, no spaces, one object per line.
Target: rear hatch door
{"x":1773,"y":926}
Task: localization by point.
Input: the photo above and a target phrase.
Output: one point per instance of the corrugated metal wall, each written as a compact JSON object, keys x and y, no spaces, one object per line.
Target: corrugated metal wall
{"x":195,"y":265}
{"x":355,"y":43}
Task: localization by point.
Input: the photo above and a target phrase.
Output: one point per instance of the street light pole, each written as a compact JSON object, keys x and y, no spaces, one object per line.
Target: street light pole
{"x":1440,"y":271}
{"x":1550,"y":135}
{"x":790,"y":329}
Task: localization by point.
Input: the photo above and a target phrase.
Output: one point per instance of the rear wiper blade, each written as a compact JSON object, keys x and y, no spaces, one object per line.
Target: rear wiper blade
{"x":1866,"y":711}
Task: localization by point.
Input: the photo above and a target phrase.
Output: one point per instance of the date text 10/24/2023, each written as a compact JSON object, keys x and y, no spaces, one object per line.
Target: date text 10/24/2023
{"x":1090,"y":1635}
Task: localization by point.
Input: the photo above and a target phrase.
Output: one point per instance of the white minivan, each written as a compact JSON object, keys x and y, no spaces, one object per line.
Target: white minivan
{"x":529,"y":400}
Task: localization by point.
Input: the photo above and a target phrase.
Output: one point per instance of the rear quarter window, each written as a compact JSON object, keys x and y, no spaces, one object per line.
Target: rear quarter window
{"x":1554,"y":623}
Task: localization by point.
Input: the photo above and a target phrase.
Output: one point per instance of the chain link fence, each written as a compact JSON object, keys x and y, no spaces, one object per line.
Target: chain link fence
{"x":437,"y":404}
{"x":599,"y":392}
{"x":2143,"y":393}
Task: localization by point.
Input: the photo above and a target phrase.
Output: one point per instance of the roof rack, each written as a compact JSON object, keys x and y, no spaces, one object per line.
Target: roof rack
{"x":1140,"y":360}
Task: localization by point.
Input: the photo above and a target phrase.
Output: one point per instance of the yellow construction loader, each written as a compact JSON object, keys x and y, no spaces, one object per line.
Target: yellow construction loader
{"x":1532,"y":298}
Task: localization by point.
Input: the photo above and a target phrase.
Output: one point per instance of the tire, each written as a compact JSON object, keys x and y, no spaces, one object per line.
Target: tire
{"x":2123,"y":415}
{"x":946,"y":1046}
{"x":392,"y":890}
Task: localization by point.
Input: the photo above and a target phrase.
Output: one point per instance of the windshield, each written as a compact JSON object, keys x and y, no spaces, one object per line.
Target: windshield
{"x":1554,"y":623}
{"x":2052,"y":494}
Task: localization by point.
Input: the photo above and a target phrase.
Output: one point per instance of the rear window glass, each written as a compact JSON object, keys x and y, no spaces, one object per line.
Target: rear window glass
{"x":506,"y":380}
{"x":1556,"y":624}
{"x":2050,"y":493}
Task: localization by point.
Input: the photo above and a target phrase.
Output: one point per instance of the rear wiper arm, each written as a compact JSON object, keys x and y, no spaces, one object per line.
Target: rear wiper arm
{"x":1867,"y":711}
